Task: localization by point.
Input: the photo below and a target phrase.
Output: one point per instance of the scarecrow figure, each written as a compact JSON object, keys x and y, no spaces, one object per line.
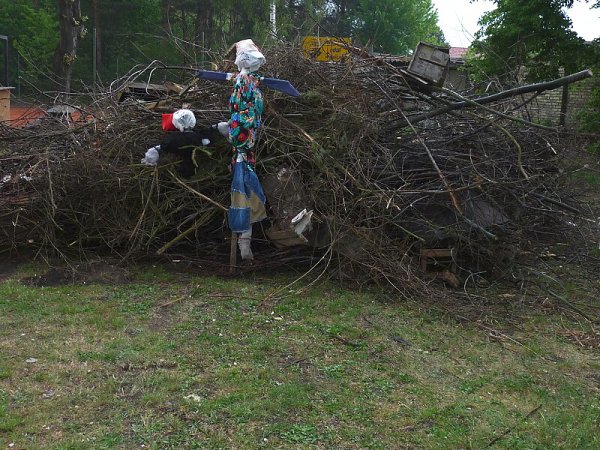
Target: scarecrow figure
{"x":246,"y":108}
{"x":182,"y":140}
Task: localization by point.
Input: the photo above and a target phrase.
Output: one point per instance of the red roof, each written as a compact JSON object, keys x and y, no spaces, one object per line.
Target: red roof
{"x":22,"y":115}
{"x":458,"y":52}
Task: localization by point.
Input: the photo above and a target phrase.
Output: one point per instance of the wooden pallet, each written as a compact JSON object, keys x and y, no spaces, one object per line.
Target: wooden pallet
{"x":440,"y":263}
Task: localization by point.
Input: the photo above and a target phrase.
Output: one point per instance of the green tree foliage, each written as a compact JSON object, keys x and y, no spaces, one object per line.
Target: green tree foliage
{"x":396,"y":26}
{"x":33,"y":31}
{"x":388,"y":26}
{"x":526,"y":38}
{"x":590,"y":116}
{"x":127,"y":33}
{"x":130,"y":32}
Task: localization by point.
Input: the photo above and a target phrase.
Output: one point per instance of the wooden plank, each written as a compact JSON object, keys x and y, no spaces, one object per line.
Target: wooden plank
{"x":143,"y":87}
{"x":285,"y":238}
{"x":436,"y":253}
{"x":431,"y":61}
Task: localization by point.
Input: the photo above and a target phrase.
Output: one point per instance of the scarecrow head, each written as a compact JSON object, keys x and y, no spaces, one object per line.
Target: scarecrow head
{"x":248,"y":57}
{"x":184,"y":120}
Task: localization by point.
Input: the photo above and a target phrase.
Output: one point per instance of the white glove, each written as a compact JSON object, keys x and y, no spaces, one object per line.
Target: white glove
{"x":223,"y":128}
{"x":151,"y":157}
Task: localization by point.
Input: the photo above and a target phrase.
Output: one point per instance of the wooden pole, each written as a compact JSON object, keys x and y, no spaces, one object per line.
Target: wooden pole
{"x":233,"y":252}
{"x":564,"y":104}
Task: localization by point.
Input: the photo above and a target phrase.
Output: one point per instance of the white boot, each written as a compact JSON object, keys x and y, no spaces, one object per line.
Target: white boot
{"x":244,"y":245}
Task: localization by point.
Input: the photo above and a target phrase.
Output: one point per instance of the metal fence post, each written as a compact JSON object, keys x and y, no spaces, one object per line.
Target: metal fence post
{"x":5,"y":39}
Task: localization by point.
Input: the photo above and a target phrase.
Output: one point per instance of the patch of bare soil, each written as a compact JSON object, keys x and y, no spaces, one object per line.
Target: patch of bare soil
{"x":7,"y":268}
{"x":93,"y":273}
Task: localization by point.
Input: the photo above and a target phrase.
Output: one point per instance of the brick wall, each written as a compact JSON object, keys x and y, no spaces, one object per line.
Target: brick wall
{"x":579,"y":96}
{"x":546,"y":107}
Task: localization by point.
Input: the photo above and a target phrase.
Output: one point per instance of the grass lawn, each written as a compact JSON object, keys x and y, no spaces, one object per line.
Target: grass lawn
{"x":165,"y":360}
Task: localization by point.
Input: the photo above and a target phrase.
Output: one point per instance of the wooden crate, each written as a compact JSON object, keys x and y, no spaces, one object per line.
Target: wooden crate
{"x":430,"y":63}
{"x":433,"y":259}
{"x":5,"y":103}
{"x":440,"y":263}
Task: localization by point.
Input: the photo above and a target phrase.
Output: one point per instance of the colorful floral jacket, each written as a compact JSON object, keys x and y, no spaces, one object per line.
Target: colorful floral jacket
{"x":246,"y":108}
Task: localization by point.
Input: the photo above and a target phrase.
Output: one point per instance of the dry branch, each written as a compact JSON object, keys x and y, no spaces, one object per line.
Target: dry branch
{"x":537,"y":88}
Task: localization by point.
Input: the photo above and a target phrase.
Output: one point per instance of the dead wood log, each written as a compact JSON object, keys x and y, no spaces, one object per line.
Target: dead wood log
{"x":537,"y":87}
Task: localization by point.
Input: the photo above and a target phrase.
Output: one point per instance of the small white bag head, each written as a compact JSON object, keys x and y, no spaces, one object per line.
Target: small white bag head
{"x":184,"y":119}
{"x":248,"y":56}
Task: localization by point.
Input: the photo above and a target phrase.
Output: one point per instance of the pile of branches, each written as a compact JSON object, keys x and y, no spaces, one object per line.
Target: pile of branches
{"x":386,"y":164}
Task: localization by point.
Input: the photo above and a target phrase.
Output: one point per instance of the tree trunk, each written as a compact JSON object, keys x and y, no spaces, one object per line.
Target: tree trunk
{"x":165,"y":6}
{"x":98,"y":27}
{"x":185,"y":35}
{"x":564,"y":104}
{"x":71,"y":31}
{"x":204,"y":23}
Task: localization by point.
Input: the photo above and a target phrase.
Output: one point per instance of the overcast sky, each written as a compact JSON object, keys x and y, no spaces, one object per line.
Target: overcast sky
{"x":458,"y":19}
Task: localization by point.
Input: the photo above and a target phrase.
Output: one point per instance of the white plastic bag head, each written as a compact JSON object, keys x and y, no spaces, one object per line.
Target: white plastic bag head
{"x":248,"y":57}
{"x":184,"y":119}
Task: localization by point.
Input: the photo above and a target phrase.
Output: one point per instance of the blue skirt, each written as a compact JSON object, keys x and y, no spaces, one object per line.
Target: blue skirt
{"x":247,"y":199}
